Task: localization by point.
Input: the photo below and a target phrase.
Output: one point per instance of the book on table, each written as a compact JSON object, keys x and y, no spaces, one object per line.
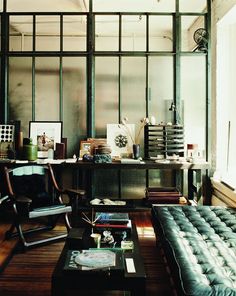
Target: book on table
{"x":95,"y":261}
{"x":113,"y":226}
{"x":111,"y":218}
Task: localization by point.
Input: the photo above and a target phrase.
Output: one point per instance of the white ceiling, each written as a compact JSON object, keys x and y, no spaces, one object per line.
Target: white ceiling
{"x":104,"y":25}
{"x":105,"y":5}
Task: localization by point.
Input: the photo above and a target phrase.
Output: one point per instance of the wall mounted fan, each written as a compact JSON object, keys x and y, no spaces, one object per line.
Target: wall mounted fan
{"x":200,"y":36}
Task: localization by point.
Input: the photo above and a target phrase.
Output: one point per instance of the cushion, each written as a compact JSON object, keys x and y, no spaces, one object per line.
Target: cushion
{"x":201,"y":244}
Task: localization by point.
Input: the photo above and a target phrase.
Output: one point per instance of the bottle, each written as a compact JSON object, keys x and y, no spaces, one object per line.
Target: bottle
{"x":30,"y":151}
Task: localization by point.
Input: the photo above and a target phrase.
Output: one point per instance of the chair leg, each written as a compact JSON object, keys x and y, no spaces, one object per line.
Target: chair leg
{"x":9,"y":232}
{"x":19,"y":232}
{"x":67,"y":222}
{"x":15,"y":225}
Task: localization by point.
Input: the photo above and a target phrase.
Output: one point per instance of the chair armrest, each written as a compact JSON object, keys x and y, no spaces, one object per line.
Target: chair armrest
{"x":4,"y":198}
{"x":75,"y":192}
{"x":23,"y":199}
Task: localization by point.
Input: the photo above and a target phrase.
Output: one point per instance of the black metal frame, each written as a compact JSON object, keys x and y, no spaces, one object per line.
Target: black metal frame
{"x":91,"y":54}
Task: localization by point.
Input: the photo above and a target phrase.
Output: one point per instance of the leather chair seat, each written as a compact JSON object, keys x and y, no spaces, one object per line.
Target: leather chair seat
{"x":200,"y":243}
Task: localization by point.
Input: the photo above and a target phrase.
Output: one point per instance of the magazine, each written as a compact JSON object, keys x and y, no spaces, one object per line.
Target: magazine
{"x":93,"y":260}
{"x":113,"y":218}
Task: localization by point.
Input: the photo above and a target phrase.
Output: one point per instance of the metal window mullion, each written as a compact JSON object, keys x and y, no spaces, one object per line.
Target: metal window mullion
{"x":208,"y":84}
{"x":33,"y":88}
{"x":90,"y":73}
{"x":177,"y":49}
{"x":61,"y":88}
{"x":4,"y":65}
{"x":147,"y":106}
{"x":61,"y":70}
{"x":208,"y":132}
{"x":120,"y":70}
{"x":147,"y":32}
{"x":119,"y":115}
{"x":177,"y":175}
{"x":33,"y":67}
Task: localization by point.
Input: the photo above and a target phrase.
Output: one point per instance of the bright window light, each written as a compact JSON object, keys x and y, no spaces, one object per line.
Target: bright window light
{"x":226,"y":101}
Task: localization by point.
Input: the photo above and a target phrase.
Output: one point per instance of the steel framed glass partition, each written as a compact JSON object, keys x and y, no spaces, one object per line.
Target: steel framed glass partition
{"x":98,"y":66}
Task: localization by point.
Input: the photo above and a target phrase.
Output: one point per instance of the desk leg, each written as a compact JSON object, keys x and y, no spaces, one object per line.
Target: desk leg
{"x":196,"y":191}
{"x":139,"y":290}
{"x":199,"y":187}
{"x":190,"y":185}
{"x":57,"y":289}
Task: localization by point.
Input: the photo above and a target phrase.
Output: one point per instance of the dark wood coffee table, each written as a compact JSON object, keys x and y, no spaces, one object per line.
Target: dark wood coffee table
{"x":134,"y":282}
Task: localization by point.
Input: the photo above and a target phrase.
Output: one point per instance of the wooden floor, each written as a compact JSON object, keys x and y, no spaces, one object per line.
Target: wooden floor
{"x":30,"y":273}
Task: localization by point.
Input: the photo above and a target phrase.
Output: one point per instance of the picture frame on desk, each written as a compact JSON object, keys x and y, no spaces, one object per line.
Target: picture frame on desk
{"x":85,"y":147}
{"x":120,"y":139}
{"x":45,"y":134}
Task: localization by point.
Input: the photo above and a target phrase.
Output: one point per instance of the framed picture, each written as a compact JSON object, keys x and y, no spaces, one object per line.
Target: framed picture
{"x":6,"y":140}
{"x":85,"y":147}
{"x":120,"y":139}
{"x":45,"y":134}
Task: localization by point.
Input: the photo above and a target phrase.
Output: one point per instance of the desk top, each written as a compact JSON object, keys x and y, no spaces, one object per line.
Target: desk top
{"x":146,"y":164}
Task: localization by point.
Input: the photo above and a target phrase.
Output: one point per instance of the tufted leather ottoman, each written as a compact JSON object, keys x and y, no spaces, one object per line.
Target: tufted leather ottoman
{"x":200,"y":246}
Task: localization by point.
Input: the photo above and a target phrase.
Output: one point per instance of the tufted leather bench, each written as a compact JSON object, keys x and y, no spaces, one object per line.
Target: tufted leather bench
{"x":200,"y":247}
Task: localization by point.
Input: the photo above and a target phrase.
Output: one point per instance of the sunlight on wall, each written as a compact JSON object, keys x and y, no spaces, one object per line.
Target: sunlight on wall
{"x":226,"y":104}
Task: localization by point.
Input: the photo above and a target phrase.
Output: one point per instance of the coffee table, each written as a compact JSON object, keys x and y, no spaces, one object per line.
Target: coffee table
{"x":135,"y":282}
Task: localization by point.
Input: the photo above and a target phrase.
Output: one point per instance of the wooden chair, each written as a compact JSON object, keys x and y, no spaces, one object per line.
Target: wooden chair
{"x":34,"y":193}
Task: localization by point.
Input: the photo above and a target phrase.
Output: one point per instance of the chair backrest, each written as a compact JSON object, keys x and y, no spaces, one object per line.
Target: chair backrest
{"x":30,"y":181}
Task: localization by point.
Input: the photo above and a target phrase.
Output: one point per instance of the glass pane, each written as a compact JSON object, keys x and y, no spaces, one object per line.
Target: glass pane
{"x":21,"y":30}
{"x":193,"y":94}
{"x":74,"y":32}
{"x":161,"y":87}
{"x":106,"y":93}
{"x":106,"y":184}
{"x":135,"y":6}
{"x":1,"y":5}
{"x":133,"y":103}
{"x":47,"y":33}
{"x":74,"y":102}
{"x":106,"y":33}
{"x":192,"y":5}
{"x":160,"y":33}
{"x":46,"y":88}
{"x":134,"y":33}
{"x":189,"y":25}
{"x":133,"y":184}
{"x":20,"y":91}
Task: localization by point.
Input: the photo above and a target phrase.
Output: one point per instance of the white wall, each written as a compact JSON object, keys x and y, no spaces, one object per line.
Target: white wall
{"x":219,"y":9}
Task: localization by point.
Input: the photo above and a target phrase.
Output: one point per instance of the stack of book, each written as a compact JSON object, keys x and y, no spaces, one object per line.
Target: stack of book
{"x":114,"y":222}
{"x":162,"y":195}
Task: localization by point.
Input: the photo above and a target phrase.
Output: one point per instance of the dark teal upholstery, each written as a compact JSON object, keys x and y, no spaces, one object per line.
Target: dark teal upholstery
{"x":200,"y":246}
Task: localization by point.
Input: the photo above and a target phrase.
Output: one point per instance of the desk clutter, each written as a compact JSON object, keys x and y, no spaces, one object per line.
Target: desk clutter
{"x":99,"y":247}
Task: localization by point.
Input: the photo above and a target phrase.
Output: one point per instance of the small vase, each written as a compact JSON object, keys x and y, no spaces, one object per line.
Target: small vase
{"x":136,"y":151}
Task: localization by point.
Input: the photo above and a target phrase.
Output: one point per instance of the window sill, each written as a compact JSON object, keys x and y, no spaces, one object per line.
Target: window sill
{"x":223,"y":192}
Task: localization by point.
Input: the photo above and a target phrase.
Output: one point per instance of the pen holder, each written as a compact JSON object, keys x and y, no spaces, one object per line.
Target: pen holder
{"x":97,"y":239}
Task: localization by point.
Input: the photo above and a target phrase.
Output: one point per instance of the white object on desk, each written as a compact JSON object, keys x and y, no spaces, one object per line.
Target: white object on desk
{"x":130,"y":265}
{"x":129,"y":160}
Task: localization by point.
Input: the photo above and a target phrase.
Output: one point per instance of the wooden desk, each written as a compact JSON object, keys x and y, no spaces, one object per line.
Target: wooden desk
{"x":196,"y":172}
